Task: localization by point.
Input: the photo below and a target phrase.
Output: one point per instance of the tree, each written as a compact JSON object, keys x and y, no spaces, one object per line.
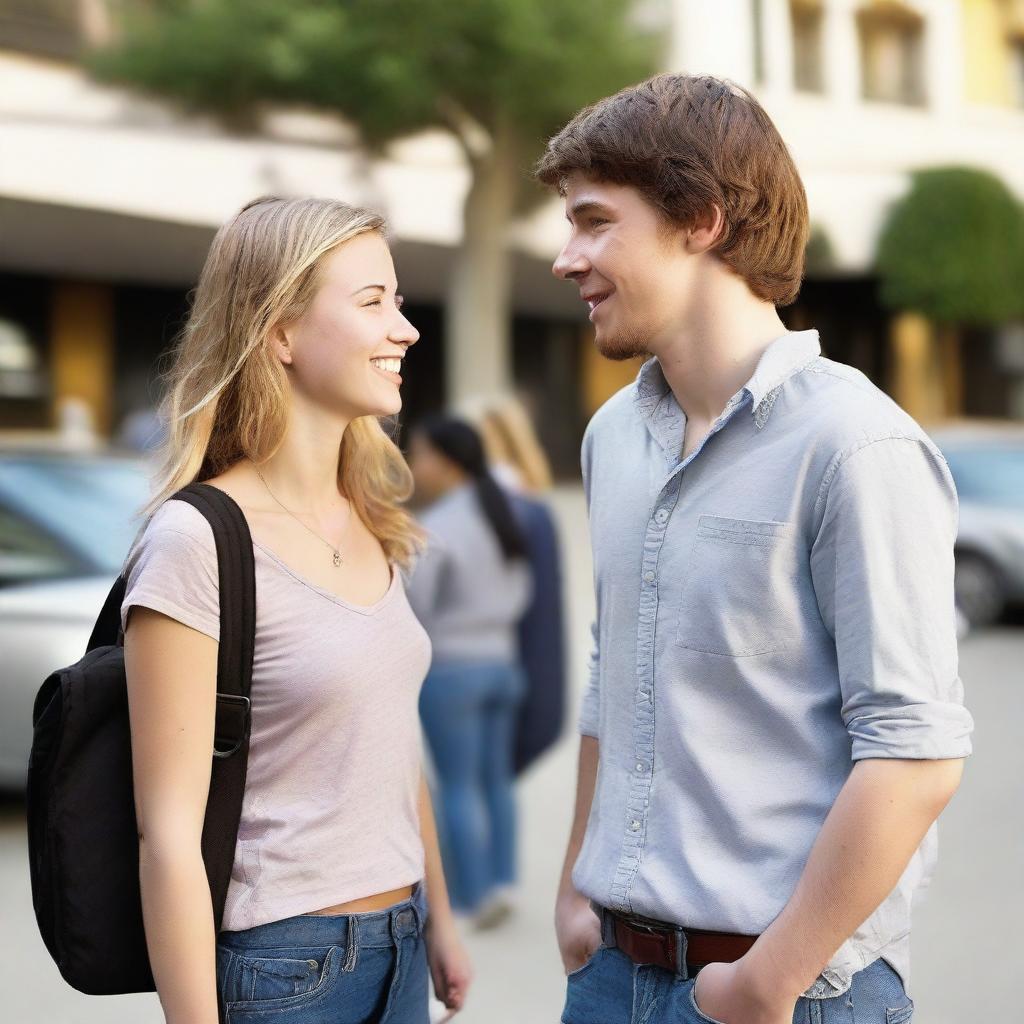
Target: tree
{"x":953,"y":249}
{"x":951,"y":253}
{"x":498,"y":75}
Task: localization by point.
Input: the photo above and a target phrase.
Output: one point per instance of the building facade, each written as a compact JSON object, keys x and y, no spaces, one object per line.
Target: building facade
{"x":108,"y":202}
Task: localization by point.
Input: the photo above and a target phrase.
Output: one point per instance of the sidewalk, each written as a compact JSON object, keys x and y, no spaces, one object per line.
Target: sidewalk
{"x":965,"y":949}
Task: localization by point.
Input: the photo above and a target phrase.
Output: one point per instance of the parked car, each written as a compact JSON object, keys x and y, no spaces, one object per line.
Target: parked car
{"x":66,"y":523}
{"x":987,"y":463}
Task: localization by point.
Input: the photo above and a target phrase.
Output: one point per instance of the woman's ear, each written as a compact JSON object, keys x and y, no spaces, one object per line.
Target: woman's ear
{"x":281,"y":345}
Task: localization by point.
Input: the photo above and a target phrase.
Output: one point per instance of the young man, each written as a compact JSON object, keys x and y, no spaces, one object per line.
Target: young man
{"x":774,"y":718}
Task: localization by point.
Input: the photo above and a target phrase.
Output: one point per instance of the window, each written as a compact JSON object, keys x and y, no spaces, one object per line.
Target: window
{"x":891,"y":53}
{"x":28,"y":553}
{"x":807,"y":19}
{"x":989,"y":476}
{"x":87,"y":504}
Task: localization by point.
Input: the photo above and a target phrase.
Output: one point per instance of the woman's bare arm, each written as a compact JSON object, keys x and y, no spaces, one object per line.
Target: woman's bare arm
{"x":172,"y":685}
{"x":450,"y":968}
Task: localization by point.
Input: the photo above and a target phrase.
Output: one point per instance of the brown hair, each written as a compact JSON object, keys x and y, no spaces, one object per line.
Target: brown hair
{"x":688,"y":143}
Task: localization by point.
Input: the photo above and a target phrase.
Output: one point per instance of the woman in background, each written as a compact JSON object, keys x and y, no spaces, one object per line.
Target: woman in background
{"x":469,"y":590}
{"x":517,"y":460}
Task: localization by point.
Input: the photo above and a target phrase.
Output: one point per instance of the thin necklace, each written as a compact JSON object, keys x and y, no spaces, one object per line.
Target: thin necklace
{"x":337,"y":554}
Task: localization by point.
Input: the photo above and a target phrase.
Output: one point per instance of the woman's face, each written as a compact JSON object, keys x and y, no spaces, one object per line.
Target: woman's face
{"x":343,"y":354}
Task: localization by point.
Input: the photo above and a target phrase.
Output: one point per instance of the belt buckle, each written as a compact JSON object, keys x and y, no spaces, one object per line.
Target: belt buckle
{"x":648,"y":924}
{"x":677,"y":932}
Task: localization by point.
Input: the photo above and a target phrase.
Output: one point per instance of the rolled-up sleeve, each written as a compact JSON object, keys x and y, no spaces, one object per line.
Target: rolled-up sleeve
{"x":882,"y":570}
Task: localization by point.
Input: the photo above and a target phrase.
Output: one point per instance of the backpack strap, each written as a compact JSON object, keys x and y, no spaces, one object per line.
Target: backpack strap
{"x":237,"y":581}
{"x":236,"y":574}
{"x":107,"y":630}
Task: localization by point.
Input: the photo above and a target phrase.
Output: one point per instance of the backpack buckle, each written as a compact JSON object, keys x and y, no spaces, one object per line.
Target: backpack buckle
{"x":231,"y":728}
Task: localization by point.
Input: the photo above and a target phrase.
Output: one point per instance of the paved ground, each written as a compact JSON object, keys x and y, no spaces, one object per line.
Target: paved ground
{"x":965,"y":954}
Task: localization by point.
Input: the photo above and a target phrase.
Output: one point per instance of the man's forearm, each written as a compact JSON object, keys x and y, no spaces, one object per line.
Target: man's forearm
{"x":586,"y":779}
{"x":877,"y":822}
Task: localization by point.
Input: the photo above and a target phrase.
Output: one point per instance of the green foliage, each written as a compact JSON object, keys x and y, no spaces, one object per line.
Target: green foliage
{"x":819,"y":256}
{"x":392,"y":66}
{"x":953,"y":249}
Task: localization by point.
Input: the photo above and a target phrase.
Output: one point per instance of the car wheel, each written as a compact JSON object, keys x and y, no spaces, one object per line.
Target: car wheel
{"x":979,"y":590}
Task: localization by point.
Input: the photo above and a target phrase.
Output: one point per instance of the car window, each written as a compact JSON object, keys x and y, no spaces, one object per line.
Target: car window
{"x":991,"y":476}
{"x":28,"y":553}
{"x":89,"y":504}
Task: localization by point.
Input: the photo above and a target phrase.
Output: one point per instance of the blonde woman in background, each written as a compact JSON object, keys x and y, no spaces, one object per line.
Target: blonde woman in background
{"x":518,"y":461}
{"x":285,"y":367}
{"x":513,"y":449}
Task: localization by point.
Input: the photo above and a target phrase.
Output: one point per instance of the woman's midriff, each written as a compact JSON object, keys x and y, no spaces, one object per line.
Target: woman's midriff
{"x":368,"y":903}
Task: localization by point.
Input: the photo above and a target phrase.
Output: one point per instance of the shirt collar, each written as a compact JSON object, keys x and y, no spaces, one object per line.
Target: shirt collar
{"x":786,"y":356}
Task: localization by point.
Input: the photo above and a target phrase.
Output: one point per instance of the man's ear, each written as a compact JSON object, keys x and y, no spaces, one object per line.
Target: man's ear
{"x":706,"y":231}
{"x":281,"y":345}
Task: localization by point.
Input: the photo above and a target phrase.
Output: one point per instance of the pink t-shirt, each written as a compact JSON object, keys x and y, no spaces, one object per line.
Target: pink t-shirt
{"x":330,"y":812}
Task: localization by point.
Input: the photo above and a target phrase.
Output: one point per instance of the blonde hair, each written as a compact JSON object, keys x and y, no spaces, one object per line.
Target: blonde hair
{"x":509,"y":438}
{"x":227,"y":393}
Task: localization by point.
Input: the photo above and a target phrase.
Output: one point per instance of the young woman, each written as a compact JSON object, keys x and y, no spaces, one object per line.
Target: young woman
{"x":517,"y":461}
{"x":470,"y":590}
{"x":290,"y":355}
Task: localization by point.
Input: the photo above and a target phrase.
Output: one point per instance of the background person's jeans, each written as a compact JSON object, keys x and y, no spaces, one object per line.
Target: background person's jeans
{"x":610,"y":989}
{"x":469,"y":713}
{"x":328,"y":969}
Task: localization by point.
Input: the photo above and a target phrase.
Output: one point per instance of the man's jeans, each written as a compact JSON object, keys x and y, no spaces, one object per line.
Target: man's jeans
{"x":610,"y":989}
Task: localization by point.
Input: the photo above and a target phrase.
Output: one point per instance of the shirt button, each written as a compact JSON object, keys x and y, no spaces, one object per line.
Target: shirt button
{"x":661,"y":515}
{"x":640,"y":766}
{"x":650,"y":576}
{"x":634,"y":825}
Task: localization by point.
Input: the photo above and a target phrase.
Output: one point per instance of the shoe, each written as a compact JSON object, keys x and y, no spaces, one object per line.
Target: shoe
{"x":496,"y":909}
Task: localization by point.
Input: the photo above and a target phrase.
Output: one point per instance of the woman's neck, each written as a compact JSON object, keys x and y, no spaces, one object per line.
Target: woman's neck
{"x":303,"y":472}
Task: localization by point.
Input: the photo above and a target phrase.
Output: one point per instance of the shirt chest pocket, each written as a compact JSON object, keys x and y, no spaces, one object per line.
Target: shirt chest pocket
{"x":741,"y":595}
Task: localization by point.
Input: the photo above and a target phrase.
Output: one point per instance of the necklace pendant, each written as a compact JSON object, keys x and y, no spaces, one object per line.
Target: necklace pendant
{"x":337,"y":558}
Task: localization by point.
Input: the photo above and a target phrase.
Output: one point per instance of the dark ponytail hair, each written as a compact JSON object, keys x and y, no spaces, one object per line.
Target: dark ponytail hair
{"x":460,"y":443}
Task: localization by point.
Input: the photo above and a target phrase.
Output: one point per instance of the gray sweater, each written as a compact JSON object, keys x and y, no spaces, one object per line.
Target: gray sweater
{"x":467,"y":596}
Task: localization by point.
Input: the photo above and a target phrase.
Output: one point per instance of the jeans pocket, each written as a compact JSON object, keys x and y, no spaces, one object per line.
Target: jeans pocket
{"x":899,"y":1014}
{"x":698,"y":1012}
{"x":578,"y":973}
{"x":741,"y":596}
{"x":279,"y":978}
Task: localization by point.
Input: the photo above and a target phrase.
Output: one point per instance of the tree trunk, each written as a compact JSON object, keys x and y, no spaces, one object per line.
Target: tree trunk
{"x":478,"y":317}
{"x":951,"y":357}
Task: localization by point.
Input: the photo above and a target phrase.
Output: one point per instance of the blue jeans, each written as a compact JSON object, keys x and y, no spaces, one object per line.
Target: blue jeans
{"x":328,"y":969}
{"x":469,"y":713}
{"x":610,"y":989}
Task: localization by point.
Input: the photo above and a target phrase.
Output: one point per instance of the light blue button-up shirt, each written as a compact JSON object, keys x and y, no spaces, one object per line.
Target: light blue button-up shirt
{"x":771,"y":609}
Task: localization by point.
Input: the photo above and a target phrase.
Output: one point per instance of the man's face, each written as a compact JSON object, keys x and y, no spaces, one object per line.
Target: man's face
{"x":630,"y":268}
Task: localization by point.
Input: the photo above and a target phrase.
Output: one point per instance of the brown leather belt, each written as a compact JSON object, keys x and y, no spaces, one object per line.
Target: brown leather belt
{"x":657,"y":943}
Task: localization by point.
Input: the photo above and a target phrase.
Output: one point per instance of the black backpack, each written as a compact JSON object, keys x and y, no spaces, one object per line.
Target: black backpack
{"x":82,"y":834}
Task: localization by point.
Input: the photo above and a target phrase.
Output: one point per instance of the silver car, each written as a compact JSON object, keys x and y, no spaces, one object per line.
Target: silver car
{"x":66,"y":522}
{"x":987,"y":462}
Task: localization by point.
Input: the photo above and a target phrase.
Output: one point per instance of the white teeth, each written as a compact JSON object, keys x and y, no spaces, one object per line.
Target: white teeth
{"x":393,"y":365}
